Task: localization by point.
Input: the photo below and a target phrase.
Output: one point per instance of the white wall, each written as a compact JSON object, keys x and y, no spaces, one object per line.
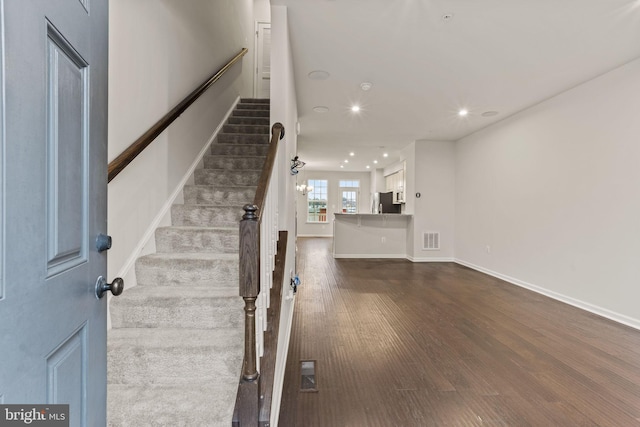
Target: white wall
{"x":160,"y":50}
{"x":334,"y":194}
{"x":434,"y":210}
{"x":549,"y":198}
{"x":261,"y":11}
{"x":284,"y":109}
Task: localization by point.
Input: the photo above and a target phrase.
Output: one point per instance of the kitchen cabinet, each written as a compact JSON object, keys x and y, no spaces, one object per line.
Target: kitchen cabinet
{"x":395,"y":184}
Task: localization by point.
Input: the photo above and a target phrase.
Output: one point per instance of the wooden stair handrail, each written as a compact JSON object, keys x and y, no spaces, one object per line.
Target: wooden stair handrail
{"x":122,"y":161}
{"x":277,"y":133}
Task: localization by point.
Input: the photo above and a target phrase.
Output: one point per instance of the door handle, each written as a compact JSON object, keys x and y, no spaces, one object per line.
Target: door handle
{"x":116,"y":287}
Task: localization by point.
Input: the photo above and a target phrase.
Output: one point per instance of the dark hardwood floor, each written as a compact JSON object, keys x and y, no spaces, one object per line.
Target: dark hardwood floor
{"x":437,"y":344}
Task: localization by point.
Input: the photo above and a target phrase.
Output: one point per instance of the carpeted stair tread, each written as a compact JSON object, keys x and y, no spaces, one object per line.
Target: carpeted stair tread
{"x":239,"y":120}
{"x":218,"y":195}
{"x":222,"y":149}
{"x":206,"y":216}
{"x":252,"y":106}
{"x":234,"y":162}
{"x":174,"y":356}
{"x":246,"y":129}
{"x":178,"y":307}
{"x":197,"y":239}
{"x":195,"y":405}
{"x":255,"y":101}
{"x":181,"y":294}
{"x":236,"y":178}
{"x":251,"y":113}
{"x":187,"y":269}
{"x":242,"y":139}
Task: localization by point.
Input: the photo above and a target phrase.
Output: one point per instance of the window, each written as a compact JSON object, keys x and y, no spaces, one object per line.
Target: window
{"x":349,"y":202}
{"x":317,"y":201}
{"x":349,"y":196}
{"x":351,"y":184}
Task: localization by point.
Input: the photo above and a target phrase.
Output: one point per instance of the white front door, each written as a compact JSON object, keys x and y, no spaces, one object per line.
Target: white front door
{"x":53,"y":162}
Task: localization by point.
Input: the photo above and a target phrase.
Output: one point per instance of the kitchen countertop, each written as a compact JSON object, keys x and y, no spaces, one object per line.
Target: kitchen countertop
{"x":372,"y":214}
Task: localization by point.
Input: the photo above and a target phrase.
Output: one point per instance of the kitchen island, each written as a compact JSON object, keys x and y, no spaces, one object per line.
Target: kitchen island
{"x":370,"y":235}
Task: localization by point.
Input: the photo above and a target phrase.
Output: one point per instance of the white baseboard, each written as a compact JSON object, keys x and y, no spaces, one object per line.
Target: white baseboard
{"x":127,"y":269}
{"x":616,"y":317}
{"x":314,"y":235}
{"x":395,"y":256}
{"x":442,"y":259}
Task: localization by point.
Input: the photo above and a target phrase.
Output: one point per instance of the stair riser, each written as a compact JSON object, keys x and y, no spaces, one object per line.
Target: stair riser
{"x":252,"y":106}
{"x":186,"y":363}
{"x":206,"y":216}
{"x":266,"y":101}
{"x":173,"y":239}
{"x":209,"y":195}
{"x":186,"y":272}
{"x":158,"y":312}
{"x":264,"y":121}
{"x":233,"y":178}
{"x":236,"y":138}
{"x":239,"y":149}
{"x":239,"y":163}
{"x":250,"y":129}
{"x":250,"y":113}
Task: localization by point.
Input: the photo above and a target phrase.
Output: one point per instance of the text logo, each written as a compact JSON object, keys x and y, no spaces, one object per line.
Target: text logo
{"x":34,"y":415}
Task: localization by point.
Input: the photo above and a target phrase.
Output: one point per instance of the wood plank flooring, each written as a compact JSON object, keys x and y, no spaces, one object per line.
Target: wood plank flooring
{"x":437,"y":344}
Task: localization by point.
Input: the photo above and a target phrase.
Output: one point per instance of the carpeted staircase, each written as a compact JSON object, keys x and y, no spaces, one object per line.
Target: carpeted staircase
{"x":175,"y":350}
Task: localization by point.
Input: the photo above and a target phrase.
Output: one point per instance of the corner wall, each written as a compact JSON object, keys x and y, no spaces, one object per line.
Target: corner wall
{"x":160,"y":50}
{"x":284,"y":109}
{"x":434,"y":210}
{"x":548,"y":198}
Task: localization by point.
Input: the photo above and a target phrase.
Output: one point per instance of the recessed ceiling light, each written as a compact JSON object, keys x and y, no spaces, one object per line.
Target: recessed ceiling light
{"x":318,"y":75}
{"x":463,"y":112}
{"x":368,"y":167}
{"x":385,"y":155}
{"x":321,"y":109}
{"x":352,"y":154}
{"x":342,"y":166}
{"x":489,"y":113}
{"x":375,"y":162}
{"x":366,"y":86}
{"x":346,"y":161}
{"x":355,"y":108}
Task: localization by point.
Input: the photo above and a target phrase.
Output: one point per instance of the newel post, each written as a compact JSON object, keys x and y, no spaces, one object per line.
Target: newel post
{"x":249,"y":285}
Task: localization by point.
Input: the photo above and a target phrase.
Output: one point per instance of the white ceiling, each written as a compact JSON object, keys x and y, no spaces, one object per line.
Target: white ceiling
{"x":493,"y":55}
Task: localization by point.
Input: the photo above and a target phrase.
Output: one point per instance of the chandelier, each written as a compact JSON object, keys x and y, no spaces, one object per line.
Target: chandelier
{"x":304,"y":188}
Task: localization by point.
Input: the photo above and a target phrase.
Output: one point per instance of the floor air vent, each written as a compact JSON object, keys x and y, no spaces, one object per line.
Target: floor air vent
{"x":308,"y":381}
{"x":431,"y":241}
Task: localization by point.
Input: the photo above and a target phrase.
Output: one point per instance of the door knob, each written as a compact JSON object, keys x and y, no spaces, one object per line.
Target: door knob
{"x":116,"y":287}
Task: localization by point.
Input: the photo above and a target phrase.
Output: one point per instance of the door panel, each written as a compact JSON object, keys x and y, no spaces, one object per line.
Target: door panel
{"x":67,"y":143}
{"x":54,"y":91}
{"x":66,"y":372}
{"x":263,"y":60}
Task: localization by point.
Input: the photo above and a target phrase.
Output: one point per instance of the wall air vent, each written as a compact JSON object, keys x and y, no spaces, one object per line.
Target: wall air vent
{"x":430,"y":241}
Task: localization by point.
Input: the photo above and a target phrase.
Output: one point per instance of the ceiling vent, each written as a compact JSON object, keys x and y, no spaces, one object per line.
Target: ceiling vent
{"x":431,"y":241}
